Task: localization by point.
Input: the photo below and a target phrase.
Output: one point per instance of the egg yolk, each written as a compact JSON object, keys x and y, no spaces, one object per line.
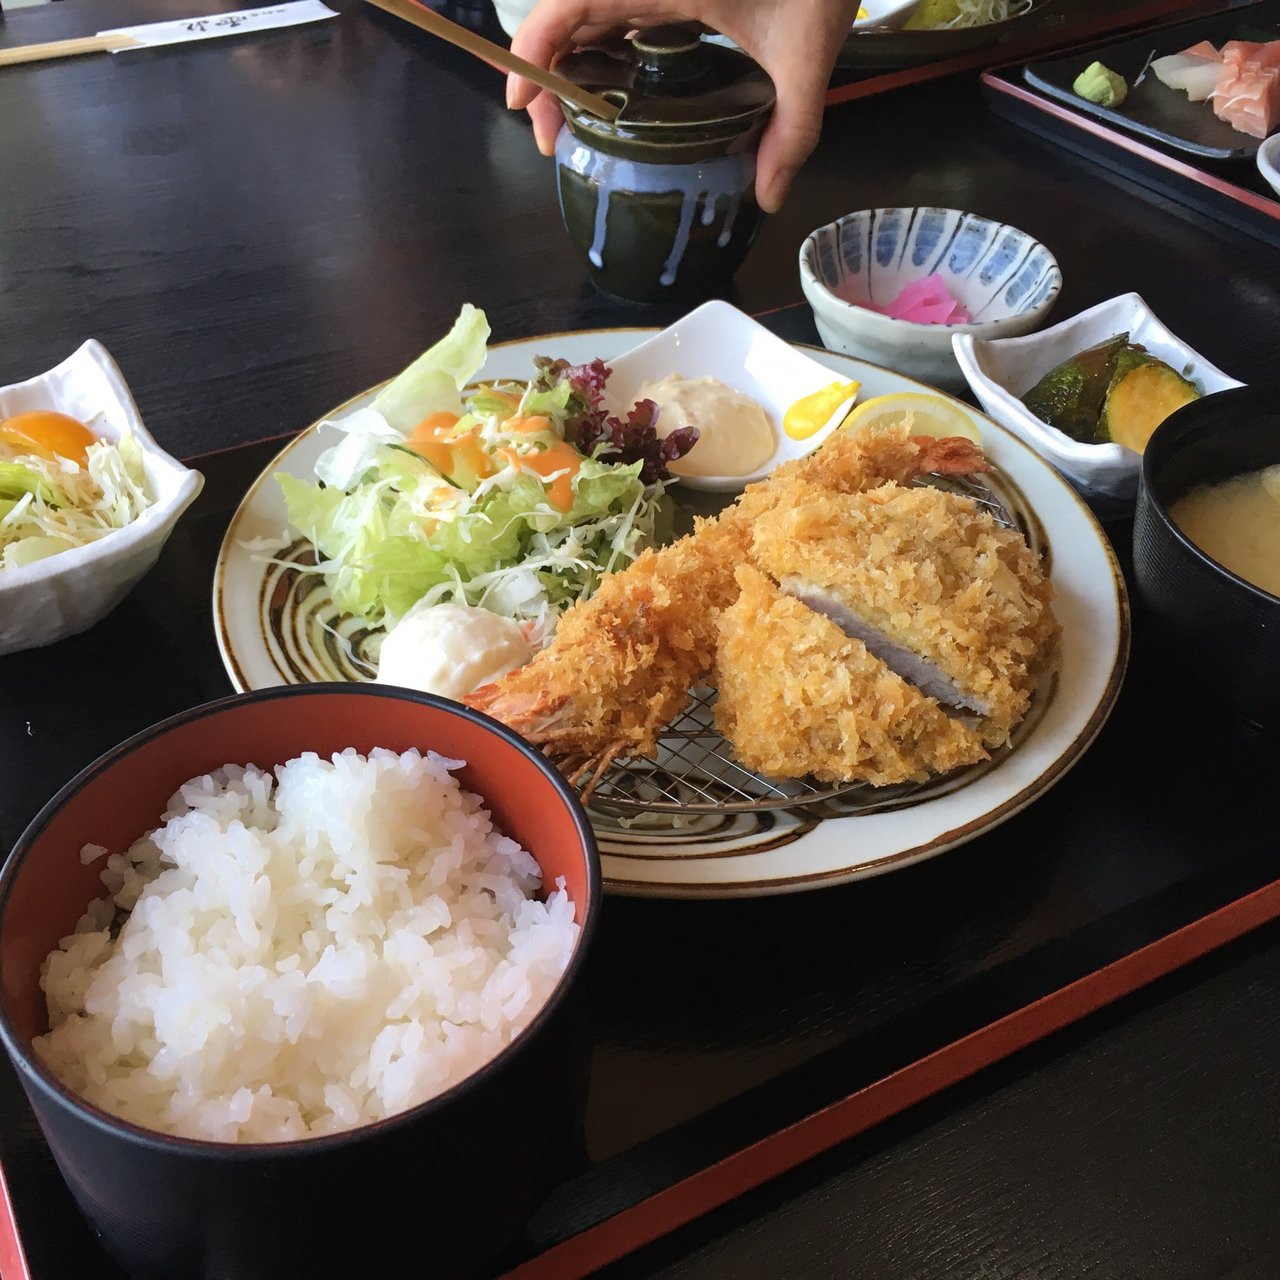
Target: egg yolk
{"x":48,"y":435}
{"x":812,"y":412}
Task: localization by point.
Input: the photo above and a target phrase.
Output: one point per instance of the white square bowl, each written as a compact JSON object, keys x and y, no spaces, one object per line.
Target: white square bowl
{"x":68,"y":592}
{"x":1002,"y":370}
{"x":718,"y":341}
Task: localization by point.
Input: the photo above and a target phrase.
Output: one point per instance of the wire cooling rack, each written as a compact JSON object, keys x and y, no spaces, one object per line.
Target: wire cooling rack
{"x":694,"y":770}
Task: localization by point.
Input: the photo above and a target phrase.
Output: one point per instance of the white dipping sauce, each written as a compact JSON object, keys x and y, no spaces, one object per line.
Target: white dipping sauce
{"x":451,"y":649}
{"x":735,"y":435}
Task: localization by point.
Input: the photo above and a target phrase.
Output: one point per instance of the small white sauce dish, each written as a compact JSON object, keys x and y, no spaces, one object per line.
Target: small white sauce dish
{"x":1000,"y":372}
{"x":1269,"y":162}
{"x":1005,"y":279}
{"x":887,"y":15}
{"x":67,"y":593}
{"x":718,"y":341}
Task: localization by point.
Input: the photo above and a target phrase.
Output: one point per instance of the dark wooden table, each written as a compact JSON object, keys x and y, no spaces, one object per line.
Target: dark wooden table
{"x":257,"y":229}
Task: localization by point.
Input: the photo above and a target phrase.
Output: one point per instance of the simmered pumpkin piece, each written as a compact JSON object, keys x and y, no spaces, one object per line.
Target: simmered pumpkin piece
{"x":1143,"y":393}
{"x":1070,"y":396}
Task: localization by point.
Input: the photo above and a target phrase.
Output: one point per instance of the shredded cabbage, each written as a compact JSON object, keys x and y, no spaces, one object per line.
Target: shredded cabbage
{"x":943,"y":15}
{"x":979,"y":13}
{"x":392,"y":529}
{"x":52,"y":505}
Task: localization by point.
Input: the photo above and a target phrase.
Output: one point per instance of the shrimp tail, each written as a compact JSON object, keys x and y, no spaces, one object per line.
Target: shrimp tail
{"x":950,"y":456}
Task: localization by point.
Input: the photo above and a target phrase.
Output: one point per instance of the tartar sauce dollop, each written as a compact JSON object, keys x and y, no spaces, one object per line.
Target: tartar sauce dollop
{"x":735,"y":435}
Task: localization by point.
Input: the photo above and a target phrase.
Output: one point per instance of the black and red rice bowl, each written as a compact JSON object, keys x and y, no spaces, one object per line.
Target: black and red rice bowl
{"x":440,"y":1189}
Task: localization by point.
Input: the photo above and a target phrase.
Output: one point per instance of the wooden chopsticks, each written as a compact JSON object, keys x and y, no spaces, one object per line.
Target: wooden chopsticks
{"x":416,"y":14}
{"x":430,"y":20}
{"x":66,"y":48}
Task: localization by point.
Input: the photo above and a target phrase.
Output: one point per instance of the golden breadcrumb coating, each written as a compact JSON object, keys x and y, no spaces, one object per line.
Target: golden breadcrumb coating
{"x":798,"y":696}
{"x":622,"y":663}
{"x":933,"y":572}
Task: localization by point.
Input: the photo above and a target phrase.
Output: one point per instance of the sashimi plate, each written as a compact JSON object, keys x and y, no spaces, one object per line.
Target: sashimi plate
{"x":275,"y":624}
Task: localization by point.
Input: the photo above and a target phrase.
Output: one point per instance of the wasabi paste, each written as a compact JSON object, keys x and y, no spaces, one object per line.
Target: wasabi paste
{"x":1100,"y":84}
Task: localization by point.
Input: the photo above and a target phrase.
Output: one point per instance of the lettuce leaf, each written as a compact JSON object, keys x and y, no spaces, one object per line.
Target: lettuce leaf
{"x":433,"y":382}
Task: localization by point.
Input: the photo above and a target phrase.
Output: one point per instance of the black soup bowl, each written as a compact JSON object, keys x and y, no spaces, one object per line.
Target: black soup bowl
{"x":438,"y":1190}
{"x":1217,"y":630}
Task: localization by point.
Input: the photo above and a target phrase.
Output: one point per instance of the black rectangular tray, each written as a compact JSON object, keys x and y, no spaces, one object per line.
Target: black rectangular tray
{"x":1227,"y":189}
{"x":734,"y":1039}
{"x":1152,"y":110}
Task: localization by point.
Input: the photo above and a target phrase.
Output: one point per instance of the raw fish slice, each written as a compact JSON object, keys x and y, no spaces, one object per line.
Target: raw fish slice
{"x":1204,"y":50}
{"x":1200,"y":82}
{"x":1248,"y":95}
{"x":1195,"y":76}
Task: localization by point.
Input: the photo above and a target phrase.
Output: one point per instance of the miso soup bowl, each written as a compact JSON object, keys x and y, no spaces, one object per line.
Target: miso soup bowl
{"x":1217,"y":632}
{"x":438,"y":1190}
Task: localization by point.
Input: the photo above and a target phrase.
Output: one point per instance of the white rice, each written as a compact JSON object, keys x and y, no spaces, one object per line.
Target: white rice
{"x":303,"y":953}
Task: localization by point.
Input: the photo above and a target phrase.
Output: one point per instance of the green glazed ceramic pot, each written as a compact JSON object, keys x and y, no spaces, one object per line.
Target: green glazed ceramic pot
{"x":661,"y":201}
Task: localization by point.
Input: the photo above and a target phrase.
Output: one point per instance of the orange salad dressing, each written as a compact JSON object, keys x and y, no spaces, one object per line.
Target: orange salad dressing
{"x":434,"y":440}
{"x":559,"y":457}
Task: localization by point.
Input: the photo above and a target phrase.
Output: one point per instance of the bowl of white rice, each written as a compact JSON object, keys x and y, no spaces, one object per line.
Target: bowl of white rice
{"x":291,"y":982}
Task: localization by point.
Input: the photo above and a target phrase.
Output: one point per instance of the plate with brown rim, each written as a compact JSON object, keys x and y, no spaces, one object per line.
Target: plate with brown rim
{"x":890,"y":47}
{"x":276,"y":624}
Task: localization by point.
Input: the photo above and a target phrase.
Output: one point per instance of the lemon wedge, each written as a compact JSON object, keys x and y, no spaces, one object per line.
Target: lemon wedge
{"x":930,"y":415}
{"x":812,"y":412}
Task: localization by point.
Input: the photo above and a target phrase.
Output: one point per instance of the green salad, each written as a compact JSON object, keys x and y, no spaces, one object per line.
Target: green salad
{"x":53,"y":504}
{"x":514,"y":497}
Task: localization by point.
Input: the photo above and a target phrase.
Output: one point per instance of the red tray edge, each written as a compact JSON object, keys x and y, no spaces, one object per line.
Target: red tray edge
{"x":1183,"y":168}
{"x":718,"y":1184}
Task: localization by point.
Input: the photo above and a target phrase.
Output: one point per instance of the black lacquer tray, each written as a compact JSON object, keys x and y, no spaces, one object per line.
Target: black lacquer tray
{"x":733,"y":1039}
{"x":1152,"y":138}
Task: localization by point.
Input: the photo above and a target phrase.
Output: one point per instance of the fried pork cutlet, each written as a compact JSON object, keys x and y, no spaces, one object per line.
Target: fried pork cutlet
{"x":931,"y":583}
{"x":622,"y":663}
{"x":798,"y":696}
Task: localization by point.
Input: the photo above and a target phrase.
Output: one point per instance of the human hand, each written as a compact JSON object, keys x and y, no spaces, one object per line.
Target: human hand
{"x":795,"y":41}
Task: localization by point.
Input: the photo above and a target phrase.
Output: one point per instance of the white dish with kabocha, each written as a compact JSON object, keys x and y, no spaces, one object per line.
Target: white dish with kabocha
{"x":893,"y":642}
{"x":1088,"y":392}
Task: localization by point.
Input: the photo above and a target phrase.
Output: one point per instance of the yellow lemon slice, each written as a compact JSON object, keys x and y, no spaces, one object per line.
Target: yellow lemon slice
{"x":930,"y":415}
{"x":812,"y":412}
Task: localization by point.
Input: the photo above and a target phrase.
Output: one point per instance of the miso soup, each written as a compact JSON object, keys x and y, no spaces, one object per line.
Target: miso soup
{"x":1237,"y":522}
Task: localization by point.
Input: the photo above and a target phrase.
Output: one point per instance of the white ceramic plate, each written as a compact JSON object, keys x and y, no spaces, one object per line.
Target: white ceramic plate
{"x":739,"y":854}
{"x":886,"y":14}
{"x":1002,"y":370}
{"x":1269,"y":162}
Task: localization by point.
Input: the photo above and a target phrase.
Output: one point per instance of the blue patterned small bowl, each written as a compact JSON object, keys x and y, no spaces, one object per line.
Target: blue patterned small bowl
{"x":1005,"y":279}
